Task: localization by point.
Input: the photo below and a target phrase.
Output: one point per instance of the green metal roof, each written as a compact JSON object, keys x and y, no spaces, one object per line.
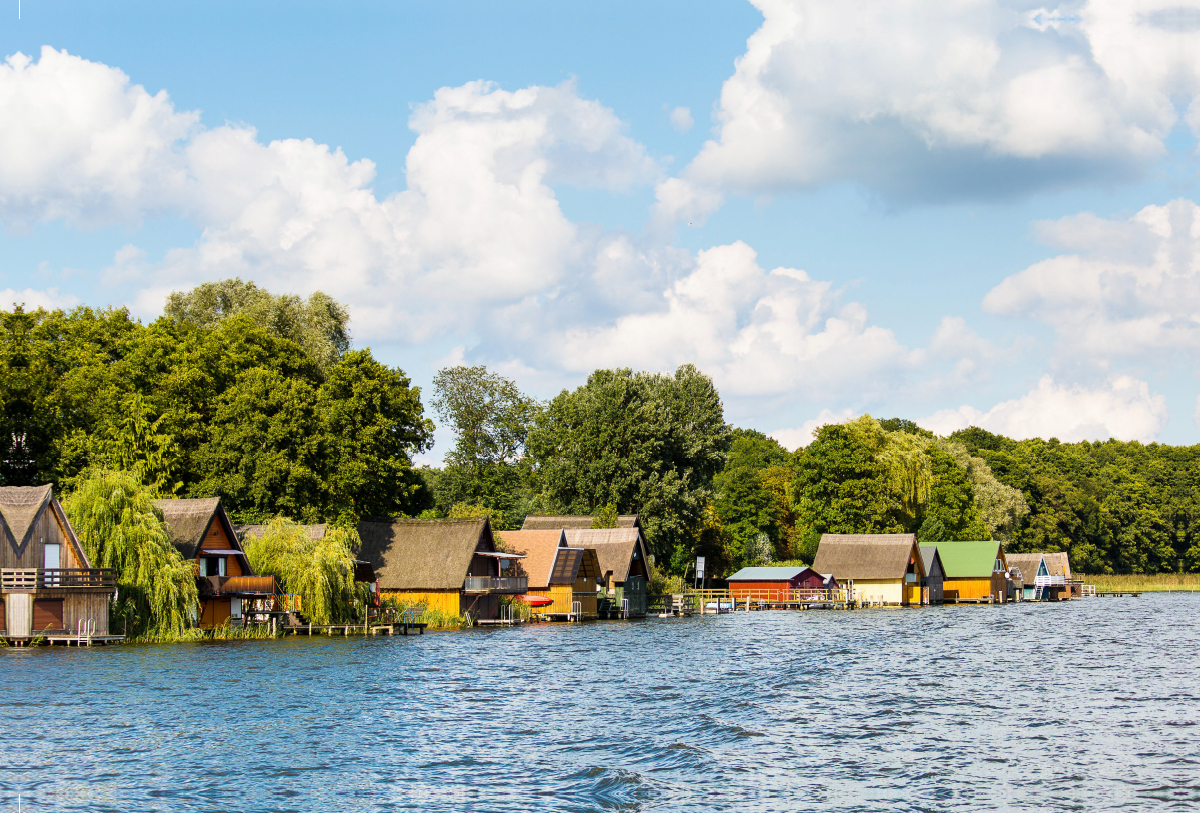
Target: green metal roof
{"x":766,"y":574}
{"x":968,"y":560}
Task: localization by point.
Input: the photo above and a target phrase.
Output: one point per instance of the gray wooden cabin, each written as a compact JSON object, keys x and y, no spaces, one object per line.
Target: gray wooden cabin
{"x":931,"y":582}
{"x":47,"y":585}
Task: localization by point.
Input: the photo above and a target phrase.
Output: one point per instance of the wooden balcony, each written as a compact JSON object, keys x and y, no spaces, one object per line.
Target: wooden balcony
{"x":512,"y":585}
{"x":243,"y":585}
{"x":19,"y":580}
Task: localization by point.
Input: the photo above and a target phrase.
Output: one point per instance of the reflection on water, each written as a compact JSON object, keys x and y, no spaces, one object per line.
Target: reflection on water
{"x":1087,"y":705}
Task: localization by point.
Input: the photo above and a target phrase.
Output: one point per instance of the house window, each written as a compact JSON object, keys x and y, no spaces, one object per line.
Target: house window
{"x":213,"y":565}
{"x":235,"y":608}
{"x":999,"y":567}
{"x":52,"y":558}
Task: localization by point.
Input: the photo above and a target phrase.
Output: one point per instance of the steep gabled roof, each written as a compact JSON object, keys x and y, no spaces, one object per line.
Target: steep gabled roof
{"x":540,"y":549}
{"x":969,"y":560}
{"x":1027,"y":563}
{"x":20,"y":507}
{"x":547,"y":522}
{"x":423,"y":554}
{"x":1058,"y":564}
{"x":929,"y":555}
{"x":866,"y":556}
{"x":614,"y":548}
{"x":188,"y":520}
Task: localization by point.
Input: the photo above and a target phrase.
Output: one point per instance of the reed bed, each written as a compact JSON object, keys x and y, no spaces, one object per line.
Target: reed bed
{"x":1158,"y":582}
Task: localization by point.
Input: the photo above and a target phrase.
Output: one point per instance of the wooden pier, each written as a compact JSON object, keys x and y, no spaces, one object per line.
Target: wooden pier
{"x":398,"y":628}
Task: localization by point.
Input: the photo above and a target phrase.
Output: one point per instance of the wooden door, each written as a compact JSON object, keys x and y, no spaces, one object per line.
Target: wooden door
{"x":47,"y":614}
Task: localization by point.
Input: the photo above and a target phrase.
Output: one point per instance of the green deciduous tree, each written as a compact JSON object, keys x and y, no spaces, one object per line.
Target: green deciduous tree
{"x":648,"y":443}
{"x":318,"y":325}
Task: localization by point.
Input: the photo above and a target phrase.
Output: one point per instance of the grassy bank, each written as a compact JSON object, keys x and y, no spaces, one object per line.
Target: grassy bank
{"x":1142,"y":582}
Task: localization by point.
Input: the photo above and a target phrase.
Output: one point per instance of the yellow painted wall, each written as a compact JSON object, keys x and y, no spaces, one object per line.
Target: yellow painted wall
{"x":968,"y":588}
{"x":889,"y":591}
{"x":563,"y":595}
{"x":444,"y":601}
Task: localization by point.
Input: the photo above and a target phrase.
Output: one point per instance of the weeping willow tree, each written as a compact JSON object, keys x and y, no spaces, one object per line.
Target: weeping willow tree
{"x":904,"y":459}
{"x":320,"y":571}
{"x":114,"y":516}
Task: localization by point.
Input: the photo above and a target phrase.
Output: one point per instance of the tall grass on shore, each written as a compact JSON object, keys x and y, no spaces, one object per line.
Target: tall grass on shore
{"x":227,"y":632}
{"x":1159,"y":582}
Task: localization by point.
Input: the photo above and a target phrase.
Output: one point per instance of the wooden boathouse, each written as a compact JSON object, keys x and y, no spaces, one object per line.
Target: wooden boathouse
{"x":1045,"y":576}
{"x":935,"y":575}
{"x":778,"y":584}
{"x":451,"y":566}
{"x":884,"y":568}
{"x":48,"y":588}
{"x":230,"y":591}
{"x":557,"y":571}
{"x":975,"y":571}
{"x":624,"y":568}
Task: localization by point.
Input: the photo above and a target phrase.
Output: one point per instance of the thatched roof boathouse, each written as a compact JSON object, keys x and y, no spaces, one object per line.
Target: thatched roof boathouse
{"x":230,"y":591}
{"x":885,"y":568}
{"x":557,"y":571}
{"x":1046,"y":576}
{"x":624,"y":568}
{"x":451,"y":566}
{"x":47,"y":584}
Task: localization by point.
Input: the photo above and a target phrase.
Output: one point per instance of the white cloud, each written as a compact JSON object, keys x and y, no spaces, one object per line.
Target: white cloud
{"x":975,"y":98}
{"x":1124,"y":409}
{"x":756,"y":332}
{"x":1125,"y":289}
{"x":31,"y":299}
{"x":681,"y":119}
{"x":81,"y":144}
{"x":793,"y":439}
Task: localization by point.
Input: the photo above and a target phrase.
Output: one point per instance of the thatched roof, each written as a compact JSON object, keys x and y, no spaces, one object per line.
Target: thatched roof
{"x":20,"y":507}
{"x":188,"y":520}
{"x":540,"y":549}
{"x":614,"y":547}
{"x":423,"y":554}
{"x":537,"y":522}
{"x":969,"y":560}
{"x":256,"y":531}
{"x":1027,"y":563}
{"x":866,"y":556}
{"x":1058,"y":564}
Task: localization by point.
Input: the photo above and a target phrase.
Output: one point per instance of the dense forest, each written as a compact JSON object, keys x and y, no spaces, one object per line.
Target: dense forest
{"x":259,"y":399}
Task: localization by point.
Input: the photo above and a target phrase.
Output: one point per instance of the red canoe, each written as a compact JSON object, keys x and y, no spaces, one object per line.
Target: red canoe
{"x":536,"y":601}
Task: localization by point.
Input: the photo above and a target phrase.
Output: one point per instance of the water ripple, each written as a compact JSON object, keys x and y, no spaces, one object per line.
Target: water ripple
{"x":1087,"y":705}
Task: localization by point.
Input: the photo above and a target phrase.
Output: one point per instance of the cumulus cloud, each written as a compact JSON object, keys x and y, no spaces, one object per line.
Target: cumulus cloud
{"x":1123,"y":408}
{"x":758,"y":332}
{"x":971,"y":99}
{"x":1125,"y":288}
{"x":80,"y":143}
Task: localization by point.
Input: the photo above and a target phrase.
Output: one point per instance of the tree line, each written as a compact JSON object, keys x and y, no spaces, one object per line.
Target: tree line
{"x":259,"y":399}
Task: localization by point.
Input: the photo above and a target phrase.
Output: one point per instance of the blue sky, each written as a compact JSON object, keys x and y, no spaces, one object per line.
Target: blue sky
{"x":958,"y":197}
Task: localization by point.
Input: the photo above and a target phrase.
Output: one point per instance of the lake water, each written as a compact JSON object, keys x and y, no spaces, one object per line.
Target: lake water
{"x":1086,"y":705}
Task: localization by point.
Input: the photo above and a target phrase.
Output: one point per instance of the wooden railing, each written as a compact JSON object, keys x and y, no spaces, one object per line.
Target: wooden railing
{"x":788,"y":596}
{"x":54,"y":578}
{"x":493,"y":584}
